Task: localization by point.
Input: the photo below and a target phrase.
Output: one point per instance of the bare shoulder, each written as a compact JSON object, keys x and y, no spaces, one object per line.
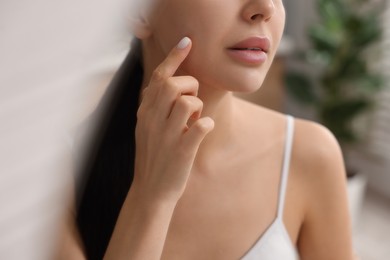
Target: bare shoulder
{"x":316,"y":155}
{"x":317,"y":149}
{"x":318,"y":164}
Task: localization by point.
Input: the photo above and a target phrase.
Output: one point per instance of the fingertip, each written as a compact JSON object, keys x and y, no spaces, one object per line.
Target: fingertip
{"x":184,"y":43}
{"x":207,"y":123}
{"x":210,"y":121}
{"x":172,"y":62}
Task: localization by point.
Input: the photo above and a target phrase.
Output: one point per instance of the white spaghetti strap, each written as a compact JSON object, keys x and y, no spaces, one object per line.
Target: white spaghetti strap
{"x":286,"y":164}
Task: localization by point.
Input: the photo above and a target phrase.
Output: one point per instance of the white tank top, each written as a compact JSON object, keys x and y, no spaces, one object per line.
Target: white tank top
{"x":275,"y":243}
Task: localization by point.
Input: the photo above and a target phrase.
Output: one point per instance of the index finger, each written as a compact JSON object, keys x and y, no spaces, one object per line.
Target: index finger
{"x":174,"y":59}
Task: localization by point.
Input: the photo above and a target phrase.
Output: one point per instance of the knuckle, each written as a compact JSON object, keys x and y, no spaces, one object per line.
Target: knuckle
{"x":172,"y":85}
{"x":199,"y":102}
{"x":158,"y":75}
{"x":195,"y":81}
{"x":145,"y":92}
{"x":140,"y":112}
{"x":144,"y":113}
{"x":185,"y":103}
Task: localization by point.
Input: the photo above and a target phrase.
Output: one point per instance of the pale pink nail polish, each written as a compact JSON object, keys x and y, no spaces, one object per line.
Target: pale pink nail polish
{"x":183,"y":43}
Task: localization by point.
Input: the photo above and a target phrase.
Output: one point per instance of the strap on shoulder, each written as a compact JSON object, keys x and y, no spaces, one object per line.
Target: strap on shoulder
{"x":286,"y":164}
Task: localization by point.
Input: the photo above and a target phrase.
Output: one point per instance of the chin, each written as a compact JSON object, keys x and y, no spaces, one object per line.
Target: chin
{"x":249,"y":89}
{"x":234,"y":78}
{"x":248,"y":83}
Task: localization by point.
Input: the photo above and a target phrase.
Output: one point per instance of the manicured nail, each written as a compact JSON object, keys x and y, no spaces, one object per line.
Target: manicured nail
{"x":184,"y":43}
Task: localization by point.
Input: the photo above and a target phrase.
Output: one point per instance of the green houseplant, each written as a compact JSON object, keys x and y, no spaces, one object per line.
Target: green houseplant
{"x":339,"y":84}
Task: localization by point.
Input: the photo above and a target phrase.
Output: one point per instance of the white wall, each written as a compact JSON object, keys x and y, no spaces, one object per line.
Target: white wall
{"x":52,"y":56}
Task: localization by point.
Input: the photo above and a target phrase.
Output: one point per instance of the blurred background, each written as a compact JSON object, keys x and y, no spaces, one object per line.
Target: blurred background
{"x":333,"y":66}
{"x":56,"y":59}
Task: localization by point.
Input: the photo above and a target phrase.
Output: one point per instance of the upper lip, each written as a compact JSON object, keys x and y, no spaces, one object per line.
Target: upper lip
{"x":257,"y":42}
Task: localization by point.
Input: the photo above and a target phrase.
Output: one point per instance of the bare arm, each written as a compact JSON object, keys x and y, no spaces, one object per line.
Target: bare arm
{"x":141,"y":229}
{"x":326,"y":230}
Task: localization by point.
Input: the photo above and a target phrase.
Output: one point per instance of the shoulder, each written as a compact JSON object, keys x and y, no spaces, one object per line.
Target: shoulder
{"x":317,"y":160}
{"x":318,"y":164}
{"x":316,"y":147}
{"x":318,"y":154}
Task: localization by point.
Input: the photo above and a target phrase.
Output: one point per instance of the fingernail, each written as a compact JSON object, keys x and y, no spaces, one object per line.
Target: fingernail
{"x":183,"y":43}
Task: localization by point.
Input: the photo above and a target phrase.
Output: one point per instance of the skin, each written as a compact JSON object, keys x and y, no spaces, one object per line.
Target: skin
{"x":194,"y":196}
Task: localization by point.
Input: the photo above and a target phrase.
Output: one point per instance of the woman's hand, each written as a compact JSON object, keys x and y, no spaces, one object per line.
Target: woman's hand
{"x":165,"y":145}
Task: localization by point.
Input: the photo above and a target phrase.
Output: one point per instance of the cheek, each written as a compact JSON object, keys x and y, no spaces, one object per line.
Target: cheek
{"x":206,"y":59}
{"x":201,"y":20}
{"x":175,"y":19}
{"x":280,"y":20}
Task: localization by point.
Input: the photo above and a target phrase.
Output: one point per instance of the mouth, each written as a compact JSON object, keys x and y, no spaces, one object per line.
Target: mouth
{"x":253,"y":44}
{"x":252,"y":51}
{"x":248,"y":49}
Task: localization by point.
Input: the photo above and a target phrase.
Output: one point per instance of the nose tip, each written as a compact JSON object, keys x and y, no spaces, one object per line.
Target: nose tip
{"x":261,"y":9}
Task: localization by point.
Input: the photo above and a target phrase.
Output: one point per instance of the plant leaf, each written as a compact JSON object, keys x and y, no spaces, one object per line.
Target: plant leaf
{"x":300,"y":87}
{"x":368,"y":84}
{"x":341,"y":111}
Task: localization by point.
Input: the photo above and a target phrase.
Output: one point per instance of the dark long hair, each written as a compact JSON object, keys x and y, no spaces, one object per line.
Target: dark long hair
{"x":108,"y":168}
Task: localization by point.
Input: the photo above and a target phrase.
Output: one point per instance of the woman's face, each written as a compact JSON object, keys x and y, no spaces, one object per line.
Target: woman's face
{"x":214,"y":27}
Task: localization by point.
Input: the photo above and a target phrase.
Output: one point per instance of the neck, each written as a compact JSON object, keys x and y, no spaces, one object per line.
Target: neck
{"x":218,"y":105}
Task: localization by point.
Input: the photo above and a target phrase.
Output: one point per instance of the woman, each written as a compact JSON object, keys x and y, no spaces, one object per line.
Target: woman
{"x":215,"y":177}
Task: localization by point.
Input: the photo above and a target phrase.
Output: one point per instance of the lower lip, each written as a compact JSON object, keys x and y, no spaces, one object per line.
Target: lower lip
{"x":253,"y":57}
